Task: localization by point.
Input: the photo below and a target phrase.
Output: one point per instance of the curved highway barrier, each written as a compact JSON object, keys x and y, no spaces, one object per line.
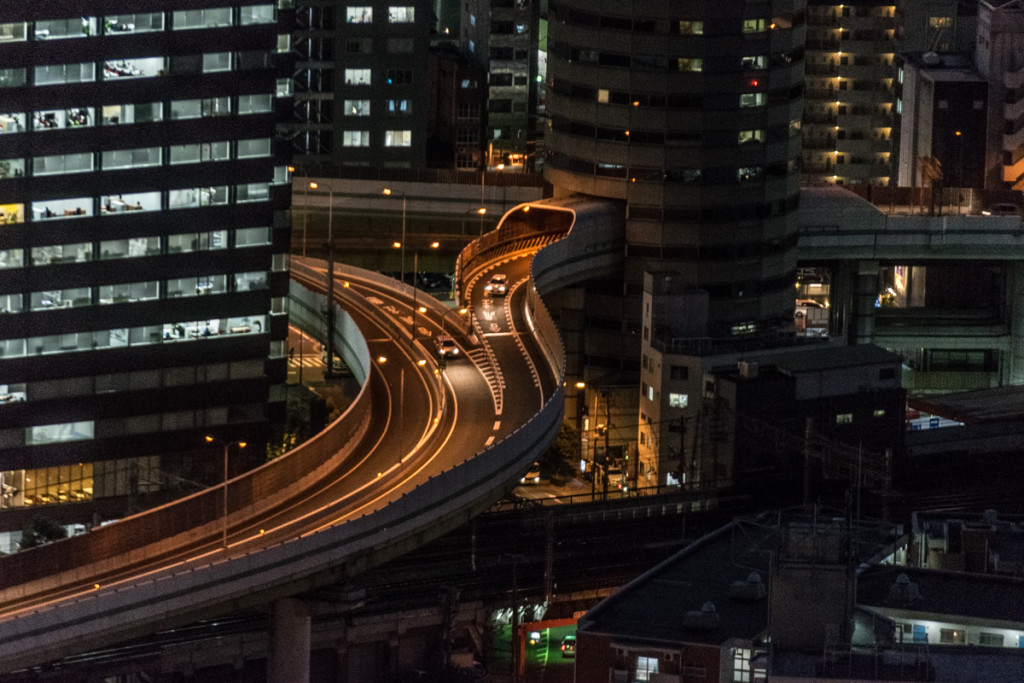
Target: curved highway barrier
{"x":213,"y":582}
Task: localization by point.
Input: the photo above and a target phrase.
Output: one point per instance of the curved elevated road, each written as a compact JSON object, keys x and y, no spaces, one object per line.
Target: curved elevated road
{"x":421,"y":450}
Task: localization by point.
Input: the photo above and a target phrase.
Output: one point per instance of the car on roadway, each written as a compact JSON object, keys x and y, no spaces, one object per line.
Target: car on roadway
{"x":498,"y":285}
{"x":532,"y":476}
{"x":568,"y":647}
{"x":1002,"y":209}
{"x":615,"y":477}
{"x":446,"y":346}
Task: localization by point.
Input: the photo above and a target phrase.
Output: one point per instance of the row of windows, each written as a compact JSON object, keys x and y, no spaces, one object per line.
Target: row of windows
{"x":123,"y":337}
{"x":88,"y":430}
{"x":137,"y":22}
{"x":680,"y":100}
{"x":721,"y":138}
{"x":121,"y":114}
{"x":132,"y":247}
{"x":361,"y":138}
{"x":391,"y":76}
{"x":112,"y":205}
{"x":131,"y":292}
{"x":656,"y":62}
{"x":140,"y":67}
{"x":362,"y":107}
{"x":756,"y":25}
{"x":363,"y":14}
{"x":86,"y":162}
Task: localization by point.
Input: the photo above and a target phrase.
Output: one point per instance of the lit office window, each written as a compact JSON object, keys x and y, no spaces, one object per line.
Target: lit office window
{"x":12,"y":213}
{"x":752,"y":99}
{"x":143,"y":67}
{"x":254,"y":104}
{"x":357,"y":77}
{"x":257,"y":14}
{"x":746,"y":174}
{"x":141,"y":157}
{"x":61,"y":253}
{"x":133,"y":201}
{"x":192,"y":197}
{"x":56,"y":119}
{"x":357,"y":107}
{"x":401,"y":15}
{"x":397,"y":138}
{"x":193,"y":109}
{"x":202,"y":241}
{"x":355,"y":138}
{"x":12,"y":258}
{"x":118,"y":114}
{"x":284,"y":87}
{"x":59,"y":298}
{"x":12,"y":123}
{"x":399,"y":106}
{"x":200,"y":151}
{"x":216,"y":61}
{"x":132,"y":22}
{"x":645,"y":666}
{"x":201,"y":18}
{"x":58,"y":164}
{"x":754,"y":62}
{"x":690,"y":64}
{"x":16,"y":32}
{"x":12,"y":78}
{"x":11,"y":348}
{"x":359,"y":15}
{"x":756,"y":135}
{"x":250,"y":281}
{"x":133,"y":247}
{"x":59,"y":433}
{"x":53,"y":29}
{"x":10,"y":168}
{"x":754,"y":25}
{"x":58,"y":74}
{"x":690,"y":28}
{"x":255,"y":147}
{"x":250,"y":237}
{"x":200,"y":285}
{"x":252,"y":192}
{"x":76,"y":207}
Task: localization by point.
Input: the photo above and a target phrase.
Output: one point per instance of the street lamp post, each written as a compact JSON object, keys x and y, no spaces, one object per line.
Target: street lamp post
{"x":329,"y":370}
{"x":388,"y":191}
{"x":227,"y":445}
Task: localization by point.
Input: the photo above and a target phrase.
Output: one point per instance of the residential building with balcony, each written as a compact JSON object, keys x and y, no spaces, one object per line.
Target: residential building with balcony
{"x":848,"y":99}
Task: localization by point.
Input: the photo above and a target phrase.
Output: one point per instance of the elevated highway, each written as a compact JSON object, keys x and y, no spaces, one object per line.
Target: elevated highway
{"x":420,"y":450}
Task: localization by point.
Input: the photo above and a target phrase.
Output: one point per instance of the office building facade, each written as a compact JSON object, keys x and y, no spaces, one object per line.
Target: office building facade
{"x":691,"y":116}
{"x":143,"y":258}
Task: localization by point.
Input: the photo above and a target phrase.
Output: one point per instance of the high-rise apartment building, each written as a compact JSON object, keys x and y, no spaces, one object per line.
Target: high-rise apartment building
{"x":849,"y":97}
{"x":143,"y":252}
{"x":691,"y":116}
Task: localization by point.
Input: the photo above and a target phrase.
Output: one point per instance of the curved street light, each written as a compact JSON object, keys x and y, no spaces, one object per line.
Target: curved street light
{"x":227,"y":445}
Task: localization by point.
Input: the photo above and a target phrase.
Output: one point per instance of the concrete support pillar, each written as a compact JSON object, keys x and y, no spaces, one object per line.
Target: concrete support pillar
{"x":866,"y":292}
{"x":289,"y":641}
{"x":1012,"y":368}
{"x":341,"y":656}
